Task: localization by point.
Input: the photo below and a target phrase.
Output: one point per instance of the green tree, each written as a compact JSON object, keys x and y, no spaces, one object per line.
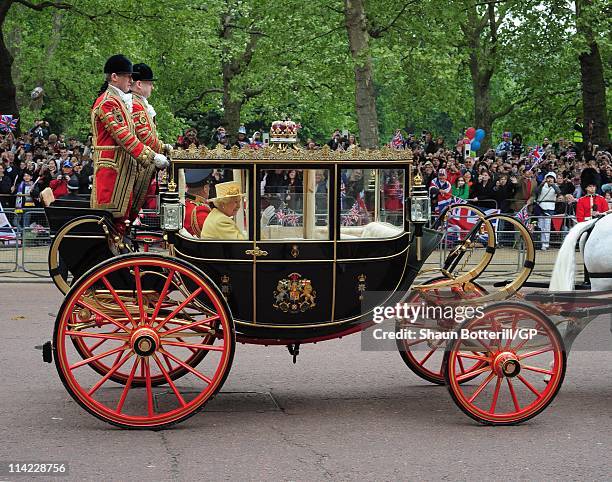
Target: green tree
{"x":589,"y":15}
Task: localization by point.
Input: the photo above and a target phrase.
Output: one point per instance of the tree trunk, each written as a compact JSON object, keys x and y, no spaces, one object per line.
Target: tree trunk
{"x":483,"y":117}
{"x":481,"y":88}
{"x":232,"y":68}
{"x":231,"y":112}
{"x":365,"y":96}
{"x":8,"y":92}
{"x":593,"y":85}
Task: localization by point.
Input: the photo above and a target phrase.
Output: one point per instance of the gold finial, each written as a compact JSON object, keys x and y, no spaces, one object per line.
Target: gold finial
{"x":172,"y":186}
{"x":418,"y":180}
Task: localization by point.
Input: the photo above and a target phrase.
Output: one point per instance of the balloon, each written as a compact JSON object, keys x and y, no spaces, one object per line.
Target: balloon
{"x":475,"y":145}
{"x":480,"y":134}
{"x":470,"y":133}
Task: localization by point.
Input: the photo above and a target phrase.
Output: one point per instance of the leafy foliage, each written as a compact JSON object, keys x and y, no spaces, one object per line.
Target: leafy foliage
{"x":301,"y":65}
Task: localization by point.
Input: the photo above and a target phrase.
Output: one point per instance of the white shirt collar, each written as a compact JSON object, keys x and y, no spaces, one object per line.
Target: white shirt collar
{"x":126,"y":98}
{"x":149,"y":108}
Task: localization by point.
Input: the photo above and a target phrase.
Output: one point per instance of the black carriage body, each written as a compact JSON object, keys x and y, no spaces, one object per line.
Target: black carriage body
{"x":281,"y":290}
{"x":251,"y":286}
{"x":257,"y":275}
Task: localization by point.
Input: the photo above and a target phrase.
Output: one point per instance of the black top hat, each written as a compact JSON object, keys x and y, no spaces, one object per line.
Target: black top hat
{"x":118,"y":64}
{"x":142,"y":72}
{"x":588,"y":177}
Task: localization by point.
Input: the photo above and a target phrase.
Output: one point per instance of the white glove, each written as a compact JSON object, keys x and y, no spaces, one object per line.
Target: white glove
{"x":168,"y":149}
{"x":161,"y":161}
{"x":267,"y":215}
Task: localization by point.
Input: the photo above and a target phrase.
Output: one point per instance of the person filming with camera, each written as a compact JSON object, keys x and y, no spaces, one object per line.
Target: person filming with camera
{"x":59,"y":185}
{"x":546,"y":197}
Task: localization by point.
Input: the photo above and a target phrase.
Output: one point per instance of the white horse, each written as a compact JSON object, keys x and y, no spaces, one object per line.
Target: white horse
{"x":596,"y":252}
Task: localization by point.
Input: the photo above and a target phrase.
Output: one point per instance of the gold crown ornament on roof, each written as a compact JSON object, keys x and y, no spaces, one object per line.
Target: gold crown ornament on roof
{"x":284,"y":131}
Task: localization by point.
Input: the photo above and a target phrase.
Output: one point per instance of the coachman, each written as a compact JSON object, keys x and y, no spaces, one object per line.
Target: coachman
{"x":144,"y":117}
{"x":120,"y":158}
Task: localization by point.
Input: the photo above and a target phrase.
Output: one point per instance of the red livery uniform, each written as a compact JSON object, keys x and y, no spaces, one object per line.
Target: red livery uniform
{"x":146,"y":132}
{"x":195,"y":215}
{"x":146,"y":129}
{"x":119,"y":156}
{"x":584,"y":207}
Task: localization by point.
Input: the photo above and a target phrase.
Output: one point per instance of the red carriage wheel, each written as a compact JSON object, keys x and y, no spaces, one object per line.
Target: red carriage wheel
{"x":88,"y":347}
{"x":144,"y":341}
{"x":524,"y":369}
{"x":423,"y":357}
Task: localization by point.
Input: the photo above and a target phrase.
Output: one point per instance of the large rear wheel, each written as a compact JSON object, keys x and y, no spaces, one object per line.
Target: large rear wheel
{"x":145,"y":320}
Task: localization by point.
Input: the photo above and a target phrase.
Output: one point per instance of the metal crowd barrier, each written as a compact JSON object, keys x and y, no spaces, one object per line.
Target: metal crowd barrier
{"x":24,"y":243}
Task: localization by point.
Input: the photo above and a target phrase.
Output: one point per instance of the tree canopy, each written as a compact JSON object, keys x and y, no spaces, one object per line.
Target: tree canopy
{"x":435,"y":65}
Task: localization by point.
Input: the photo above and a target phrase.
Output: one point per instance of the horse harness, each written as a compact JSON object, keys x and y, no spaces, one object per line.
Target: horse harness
{"x":605,"y":274}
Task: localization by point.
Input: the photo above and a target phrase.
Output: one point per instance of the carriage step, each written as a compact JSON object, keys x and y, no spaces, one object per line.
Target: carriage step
{"x":47,"y":352}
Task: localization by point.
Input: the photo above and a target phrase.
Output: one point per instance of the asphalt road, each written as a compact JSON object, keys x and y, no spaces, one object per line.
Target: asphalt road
{"x":339,"y":413}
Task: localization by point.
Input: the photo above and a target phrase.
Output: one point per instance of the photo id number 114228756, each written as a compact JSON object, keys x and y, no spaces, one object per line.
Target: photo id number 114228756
{"x":15,"y":468}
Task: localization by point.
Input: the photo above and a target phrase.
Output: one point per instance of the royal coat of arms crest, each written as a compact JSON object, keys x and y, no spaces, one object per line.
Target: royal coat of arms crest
{"x":294,"y":294}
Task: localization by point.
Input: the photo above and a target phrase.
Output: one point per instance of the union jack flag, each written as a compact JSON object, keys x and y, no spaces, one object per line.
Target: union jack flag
{"x":462,"y":220}
{"x":287,"y":217}
{"x":523,"y":215}
{"x":352,"y":216}
{"x":536,"y":155}
{"x":7,"y":232}
{"x":7,"y":123}
{"x":398,"y":140}
{"x":451,"y":201}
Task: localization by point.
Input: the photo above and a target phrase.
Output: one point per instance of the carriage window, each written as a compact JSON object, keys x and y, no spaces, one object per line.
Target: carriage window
{"x":371,"y":203}
{"x":294,"y":203}
{"x":199,"y":188}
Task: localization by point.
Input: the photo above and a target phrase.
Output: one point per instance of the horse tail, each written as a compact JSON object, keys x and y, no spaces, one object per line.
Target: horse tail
{"x":564,"y":273}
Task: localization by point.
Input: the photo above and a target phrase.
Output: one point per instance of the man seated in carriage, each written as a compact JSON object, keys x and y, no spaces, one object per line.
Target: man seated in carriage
{"x":196,"y":202}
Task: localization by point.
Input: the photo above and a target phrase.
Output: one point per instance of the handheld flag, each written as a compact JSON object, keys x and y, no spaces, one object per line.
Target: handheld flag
{"x":7,"y":123}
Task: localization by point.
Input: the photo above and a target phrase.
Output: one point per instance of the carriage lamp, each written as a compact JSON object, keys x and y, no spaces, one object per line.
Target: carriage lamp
{"x":420,"y":204}
{"x":420,"y":210}
{"x":171,"y":210}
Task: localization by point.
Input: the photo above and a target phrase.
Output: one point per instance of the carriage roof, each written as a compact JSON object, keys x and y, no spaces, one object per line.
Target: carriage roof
{"x":290,"y":155}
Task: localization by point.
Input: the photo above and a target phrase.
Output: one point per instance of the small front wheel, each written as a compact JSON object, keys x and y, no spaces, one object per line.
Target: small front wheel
{"x":150,"y":317}
{"x":523,"y":364}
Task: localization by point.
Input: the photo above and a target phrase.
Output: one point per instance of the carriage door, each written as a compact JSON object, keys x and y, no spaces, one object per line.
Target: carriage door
{"x":293,"y":250}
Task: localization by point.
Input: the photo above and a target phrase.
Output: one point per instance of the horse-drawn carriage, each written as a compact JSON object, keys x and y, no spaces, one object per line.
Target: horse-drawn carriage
{"x":144,"y":340}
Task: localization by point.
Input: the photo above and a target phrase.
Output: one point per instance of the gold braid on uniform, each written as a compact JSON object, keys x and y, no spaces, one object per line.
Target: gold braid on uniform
{"x":198,"y":201}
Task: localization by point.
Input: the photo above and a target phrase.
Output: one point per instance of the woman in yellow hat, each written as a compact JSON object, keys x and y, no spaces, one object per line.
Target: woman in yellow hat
{"x":219,"y":223}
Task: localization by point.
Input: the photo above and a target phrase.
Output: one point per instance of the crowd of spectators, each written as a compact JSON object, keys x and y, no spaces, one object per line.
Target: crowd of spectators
{"x":511,"y":175}
{"x":546,"y":178}
{"x":507,"y":176}
{"x":38,"y":159}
